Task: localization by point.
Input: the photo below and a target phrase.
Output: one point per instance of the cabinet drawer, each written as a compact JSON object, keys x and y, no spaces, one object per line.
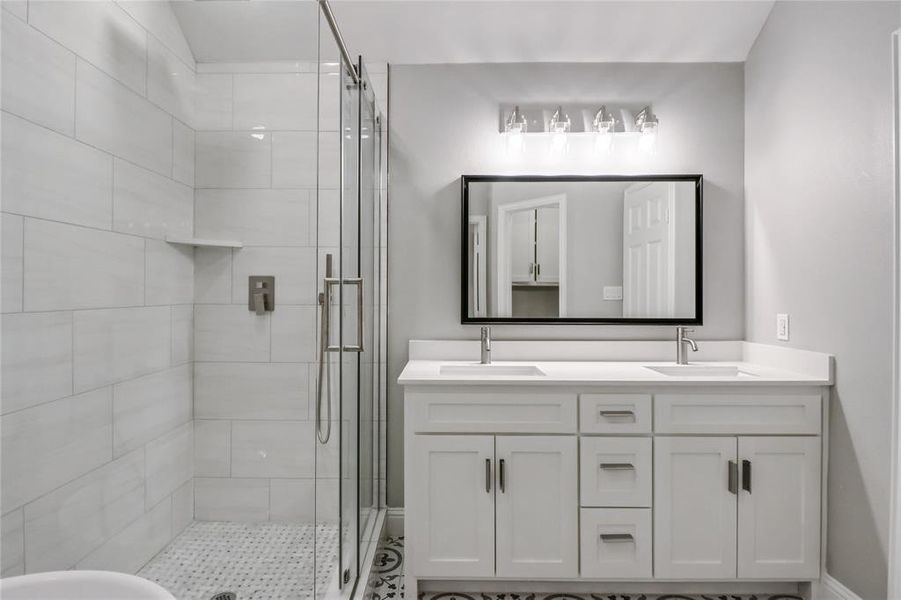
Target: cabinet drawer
{"x":616,"y":471}
{"x":520,"y":411}
{"x":616,"y":543}
{"x":615,"y":413}
{"x":738,"y":413}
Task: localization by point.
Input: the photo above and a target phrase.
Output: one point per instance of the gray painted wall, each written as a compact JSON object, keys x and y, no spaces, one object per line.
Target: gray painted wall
{"x":444,"y":124}
{"x":819,"y":241}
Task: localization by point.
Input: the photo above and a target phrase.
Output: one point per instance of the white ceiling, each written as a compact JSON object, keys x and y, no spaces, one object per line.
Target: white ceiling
{"x":460,"y":31}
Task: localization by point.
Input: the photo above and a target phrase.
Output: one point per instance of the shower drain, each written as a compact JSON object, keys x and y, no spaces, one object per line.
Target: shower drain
{"x":224,"y":596}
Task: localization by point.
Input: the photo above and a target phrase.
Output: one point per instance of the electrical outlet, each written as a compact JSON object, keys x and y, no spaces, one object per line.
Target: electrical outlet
{"x":782,"y":327}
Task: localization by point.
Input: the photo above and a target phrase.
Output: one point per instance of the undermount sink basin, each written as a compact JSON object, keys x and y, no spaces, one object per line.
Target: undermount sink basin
{"x":479,"y":370}
{"x":701,"y":371}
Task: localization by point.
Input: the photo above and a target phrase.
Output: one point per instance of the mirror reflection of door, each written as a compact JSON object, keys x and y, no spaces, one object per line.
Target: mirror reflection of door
{"x":656,"y":247}
{"x":531,"y":246}
{"x":478,"y":281}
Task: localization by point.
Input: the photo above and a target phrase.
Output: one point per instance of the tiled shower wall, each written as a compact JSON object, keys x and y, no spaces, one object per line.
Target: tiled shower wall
{"x":98,"y":166}
{"x":255,"y":375}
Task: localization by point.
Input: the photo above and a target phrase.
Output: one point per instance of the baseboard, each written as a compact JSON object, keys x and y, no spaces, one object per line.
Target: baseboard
{"x":394,"y":521}
{"x":831,"y":588}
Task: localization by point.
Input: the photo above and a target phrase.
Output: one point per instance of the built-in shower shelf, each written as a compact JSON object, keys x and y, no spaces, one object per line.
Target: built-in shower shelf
{"x":205,"y":243}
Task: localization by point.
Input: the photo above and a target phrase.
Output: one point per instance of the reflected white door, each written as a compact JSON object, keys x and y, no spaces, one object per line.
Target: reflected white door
{"x":547,"y":244}
{"x":537,"y":507}
{"x":779,"y":508}
{"x":454,"y":533}
{"x":522,"y":246}
{"x":695,"y":513}
{"x":648,"y":256}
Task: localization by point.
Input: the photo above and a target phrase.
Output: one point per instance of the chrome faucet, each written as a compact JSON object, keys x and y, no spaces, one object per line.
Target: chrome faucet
{"x":681,"y":341}
{"x":486,"y":345}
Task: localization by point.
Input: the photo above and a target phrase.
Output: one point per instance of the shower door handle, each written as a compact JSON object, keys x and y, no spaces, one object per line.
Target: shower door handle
{"x":358,"y":347}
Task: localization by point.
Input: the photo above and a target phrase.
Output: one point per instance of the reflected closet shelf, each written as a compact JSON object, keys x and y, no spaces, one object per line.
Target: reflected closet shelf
{"x":205,"y":243}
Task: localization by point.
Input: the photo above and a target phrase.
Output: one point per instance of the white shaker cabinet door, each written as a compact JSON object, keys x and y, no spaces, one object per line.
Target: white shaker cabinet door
{"x":779,"y":508}
{"x":695,"y":511}
{"x":453,"y":486}
{"x":547,"y":244}
{"x":522,"y":246}
{"x":537,"y":506}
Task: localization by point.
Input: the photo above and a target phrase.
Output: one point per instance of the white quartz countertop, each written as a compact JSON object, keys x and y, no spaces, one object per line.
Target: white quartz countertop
{"x":756,"y":365}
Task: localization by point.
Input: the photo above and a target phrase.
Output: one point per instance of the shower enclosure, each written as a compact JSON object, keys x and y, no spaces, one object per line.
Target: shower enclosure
{"x":201,"y":439}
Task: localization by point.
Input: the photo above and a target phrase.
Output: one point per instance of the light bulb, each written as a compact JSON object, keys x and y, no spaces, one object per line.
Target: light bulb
{"x":647,"y":124}
{"x":514,"y":129}
{"x":559,"y":126}
{"x":604,"y":124}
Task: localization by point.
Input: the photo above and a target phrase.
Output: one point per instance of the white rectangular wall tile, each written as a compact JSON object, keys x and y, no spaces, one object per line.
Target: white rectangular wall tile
{"x":19,"y":8}
{"x":128,"y":550}
{"x":329,"y":218}
{"x":212,"y":275}
{"x":100,"y":32}
{"x":169,"y":272}
{"x":182,"y":507}
{"x":294,"y":333}
{"x":213,"y":102}
{"x":170,"y":463}
{"x":233,"y":159}
{"x":150,"y":406}
{"x":36,"y":359}
{"x":250,"y":391}
{"x":12,"y":544}
{"x":273,"y":449}
{"x":158,"y":19}
{"x":170,"y":82}
{"x":275,"y":101}
{"x":212,"y":448}
{"x":48,"y":445}
{"x":67,"y":267}
{"x":293,"y":500}
{"x":12,"y":253}
{"x":51,"y":176}
{"x":220,"y":499}
{"x":149,"y":204}
{"x":294,"y":270}
{"x":182,"y":153}
{"x":230,"y":333}
{"x":294,"y":159}
{"x":113,"y":345}
{"x":116,"y":119}
{"x":256,"y":217}
{"x":65,"y":525}
{"x":38,"y":77}
{"x":182,"y":334}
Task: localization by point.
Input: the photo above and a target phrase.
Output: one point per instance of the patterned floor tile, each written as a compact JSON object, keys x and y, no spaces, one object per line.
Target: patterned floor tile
{"x":256,"y":561}
{"x":386,"y":583}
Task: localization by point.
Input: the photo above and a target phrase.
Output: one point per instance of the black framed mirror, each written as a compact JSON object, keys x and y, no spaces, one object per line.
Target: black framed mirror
{"x":605,"y":249}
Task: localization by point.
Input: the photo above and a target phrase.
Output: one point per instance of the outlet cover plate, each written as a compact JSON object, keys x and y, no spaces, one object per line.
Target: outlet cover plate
{"x":782,"y":331}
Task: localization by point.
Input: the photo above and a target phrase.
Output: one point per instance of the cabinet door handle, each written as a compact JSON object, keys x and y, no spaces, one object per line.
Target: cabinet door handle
{"x":617,"y":414}
{"x":613,"y":538}
{"x":538,"y":270}
{"x":617,"y":466}
{"x":733,"y":477}
{"x":531,"y":268}
{"x":500,"y":475}
{"x":746,"y":475}
{"x":488,"y":475}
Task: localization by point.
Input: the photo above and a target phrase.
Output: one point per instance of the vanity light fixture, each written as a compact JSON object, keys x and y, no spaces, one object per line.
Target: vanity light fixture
{"x":646,"y":123}
{"x":604,"y":123}
{"x":514,"y":128}
{"x":559,"y":126}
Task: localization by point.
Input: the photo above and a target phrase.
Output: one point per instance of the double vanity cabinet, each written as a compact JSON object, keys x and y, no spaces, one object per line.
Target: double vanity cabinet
{"x":685,"y":479}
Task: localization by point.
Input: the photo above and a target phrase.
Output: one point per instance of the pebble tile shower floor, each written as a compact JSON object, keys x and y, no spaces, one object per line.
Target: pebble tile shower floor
{"x":256,"y":561}
{"x":386,"y":583}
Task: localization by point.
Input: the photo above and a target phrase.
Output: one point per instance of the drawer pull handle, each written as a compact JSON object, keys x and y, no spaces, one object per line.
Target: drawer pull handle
{"x":616,"y":538}
{"x":746,"y":475}
{"x":618,"y":414}
{"x":488,"y":475}
{"x":733,"y":477}
{"x":618,"y":466}
{"x":500,"y":474}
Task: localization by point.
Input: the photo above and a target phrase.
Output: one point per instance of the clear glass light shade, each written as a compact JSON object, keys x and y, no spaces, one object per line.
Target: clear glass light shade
{"x":647,"y":142}
{"x":515,"y":126}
